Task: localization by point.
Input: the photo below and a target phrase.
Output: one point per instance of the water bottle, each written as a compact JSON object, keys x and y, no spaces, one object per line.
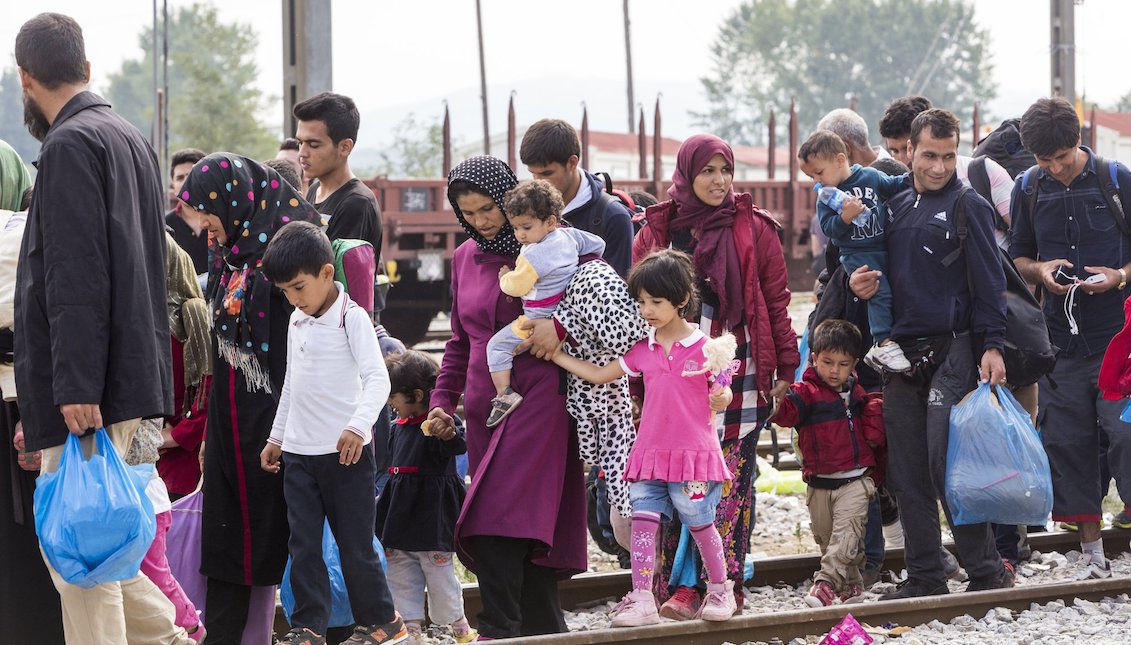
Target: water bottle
{"x":834,"y":198}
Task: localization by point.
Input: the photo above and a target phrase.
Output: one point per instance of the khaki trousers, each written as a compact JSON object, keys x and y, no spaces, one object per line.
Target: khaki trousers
{"x":130,"y":612}
{"x":837,"y":519}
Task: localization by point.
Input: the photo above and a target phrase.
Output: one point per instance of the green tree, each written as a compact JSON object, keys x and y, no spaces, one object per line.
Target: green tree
{"x":12,"y":127}
{"x":824,"y":52}
{"x":417,"y":149}
{"x":1124,"y":104}
{"x":213,"y":102}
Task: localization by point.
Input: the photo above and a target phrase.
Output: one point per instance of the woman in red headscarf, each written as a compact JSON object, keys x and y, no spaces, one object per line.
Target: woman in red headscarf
{"x":743,"y":287}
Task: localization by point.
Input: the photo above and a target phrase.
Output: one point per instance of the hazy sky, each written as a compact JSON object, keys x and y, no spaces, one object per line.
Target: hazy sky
{"x":393,"y":57}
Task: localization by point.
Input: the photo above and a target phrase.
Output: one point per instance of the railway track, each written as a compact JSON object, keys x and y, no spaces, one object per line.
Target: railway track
{"x":786,"y":625}
{"x":589,"y":589}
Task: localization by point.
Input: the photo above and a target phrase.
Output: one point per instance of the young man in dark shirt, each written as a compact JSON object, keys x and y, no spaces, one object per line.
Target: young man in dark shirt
{"x":326,"y":132}
{"x":186,"y":225}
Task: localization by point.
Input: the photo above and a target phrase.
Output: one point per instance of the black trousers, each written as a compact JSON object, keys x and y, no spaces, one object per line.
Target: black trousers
{"x":917,"y":424}
{"x":226,"y":604}
{"x":519,"y":598}
{"x":318,"y":488}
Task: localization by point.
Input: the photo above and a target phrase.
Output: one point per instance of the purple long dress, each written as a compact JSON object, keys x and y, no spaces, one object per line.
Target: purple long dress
{"x":526,"y":478}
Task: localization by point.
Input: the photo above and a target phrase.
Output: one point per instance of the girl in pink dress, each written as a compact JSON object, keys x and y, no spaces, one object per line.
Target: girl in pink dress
{"x":676,"y":462}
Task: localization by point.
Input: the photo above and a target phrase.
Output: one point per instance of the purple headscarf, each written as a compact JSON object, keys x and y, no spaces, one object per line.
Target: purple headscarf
{"x":714,"y":252}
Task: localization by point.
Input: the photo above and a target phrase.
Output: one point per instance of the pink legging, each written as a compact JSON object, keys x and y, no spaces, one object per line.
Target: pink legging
{"x":156,"y":567}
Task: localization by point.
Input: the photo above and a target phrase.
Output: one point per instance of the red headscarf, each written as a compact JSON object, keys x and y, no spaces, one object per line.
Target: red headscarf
{"x":714,"y":252}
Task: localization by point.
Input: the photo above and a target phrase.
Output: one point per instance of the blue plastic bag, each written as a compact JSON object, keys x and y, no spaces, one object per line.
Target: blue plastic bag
{"x":341,"y":614}
{"x":996,"y":467}
{"x":1125,"y":416}
{"x":803,"y":348}
{"x":93,"y":520}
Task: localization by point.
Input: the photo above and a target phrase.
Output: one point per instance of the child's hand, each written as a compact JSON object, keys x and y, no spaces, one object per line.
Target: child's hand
{"x":503,"y":270}
{"x":350,"y":445}
{"x":441,"y":422}
{"x":442,"y":431}
{"x":720,"y":398}
{"x":852,"y":207}
{"x":269,"y":458}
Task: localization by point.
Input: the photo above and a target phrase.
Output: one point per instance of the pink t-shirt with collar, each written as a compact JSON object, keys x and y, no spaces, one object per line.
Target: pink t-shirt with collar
{"x":677,"y":441}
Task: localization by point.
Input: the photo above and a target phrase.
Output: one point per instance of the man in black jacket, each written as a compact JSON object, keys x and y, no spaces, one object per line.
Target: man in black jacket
{"x":551,"y":150}
{"x":933,"y":309}
{"x":93,"y":347}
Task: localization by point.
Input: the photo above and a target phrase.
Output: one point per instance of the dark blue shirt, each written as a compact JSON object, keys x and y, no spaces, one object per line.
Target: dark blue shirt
{"x":930,"y":296}
{"x":873,"y":188}
{"x":1074,"y":223}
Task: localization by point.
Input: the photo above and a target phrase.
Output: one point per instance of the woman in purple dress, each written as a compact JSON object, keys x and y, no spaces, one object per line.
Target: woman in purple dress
{"x":522,"y":527}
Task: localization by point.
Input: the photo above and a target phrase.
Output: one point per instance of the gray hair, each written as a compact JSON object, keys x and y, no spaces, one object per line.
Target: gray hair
{"x":848,"y":125}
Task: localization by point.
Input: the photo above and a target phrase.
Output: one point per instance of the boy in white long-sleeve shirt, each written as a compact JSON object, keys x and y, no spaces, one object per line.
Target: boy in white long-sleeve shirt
{"x":335,"y":387}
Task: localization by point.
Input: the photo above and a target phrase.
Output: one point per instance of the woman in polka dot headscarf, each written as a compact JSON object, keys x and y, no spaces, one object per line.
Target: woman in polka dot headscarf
{"x":244,"y":539}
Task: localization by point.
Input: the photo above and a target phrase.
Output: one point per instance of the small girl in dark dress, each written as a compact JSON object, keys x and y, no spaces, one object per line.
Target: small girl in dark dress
{"x":419,"y":506}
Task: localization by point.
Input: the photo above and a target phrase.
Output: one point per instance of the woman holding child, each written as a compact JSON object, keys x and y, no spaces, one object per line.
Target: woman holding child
{"x":522,"y":526}
{"x":244,"y":539}
{"x":743,"y":286}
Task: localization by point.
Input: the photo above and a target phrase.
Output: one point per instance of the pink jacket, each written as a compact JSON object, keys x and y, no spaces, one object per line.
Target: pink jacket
{"x":765,"y":283}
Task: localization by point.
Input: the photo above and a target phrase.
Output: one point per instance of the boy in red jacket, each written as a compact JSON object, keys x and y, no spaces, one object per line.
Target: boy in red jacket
{"x":840,"y":434}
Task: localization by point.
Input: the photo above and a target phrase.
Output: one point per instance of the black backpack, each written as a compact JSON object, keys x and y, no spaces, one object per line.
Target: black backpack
{"x":1003,"y":145}
{"x":979,"y":179}
{"x":1109,"y":186}
{"x":1029,"y":353}
{"x":615,"y":194}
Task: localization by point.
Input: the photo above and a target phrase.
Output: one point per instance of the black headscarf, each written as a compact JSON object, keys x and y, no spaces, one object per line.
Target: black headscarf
{"x":252,"y":201}
{"x":493,"y":177}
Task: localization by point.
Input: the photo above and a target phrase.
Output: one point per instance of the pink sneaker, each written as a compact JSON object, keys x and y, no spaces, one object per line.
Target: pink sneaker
{"x":719,"y":602}
{"x":821,"y":594}
{"x":683,"y":605}
{"x":636,"y":609}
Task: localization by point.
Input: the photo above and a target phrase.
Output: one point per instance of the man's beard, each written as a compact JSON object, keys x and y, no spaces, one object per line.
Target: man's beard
{"x":34,"y":119}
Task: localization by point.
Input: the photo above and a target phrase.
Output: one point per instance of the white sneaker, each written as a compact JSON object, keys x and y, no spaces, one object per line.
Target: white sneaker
{"x":1088,"y":569}
{"x":887,"y":357}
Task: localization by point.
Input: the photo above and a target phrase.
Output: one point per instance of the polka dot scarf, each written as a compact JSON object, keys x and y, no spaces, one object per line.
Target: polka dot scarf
{"x":494,"y":177}
{"x":252,"y":201}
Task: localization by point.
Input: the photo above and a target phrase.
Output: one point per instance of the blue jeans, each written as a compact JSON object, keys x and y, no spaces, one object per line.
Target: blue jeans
{"x":694,"y":501}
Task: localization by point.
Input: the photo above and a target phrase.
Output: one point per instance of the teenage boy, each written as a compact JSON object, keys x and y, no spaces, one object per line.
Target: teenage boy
{"x":336,"y":385}
{"x":186,"y":224}
{"x":1072,"y":231}
{"x":551,"y":151}
{"x":327,"y":133}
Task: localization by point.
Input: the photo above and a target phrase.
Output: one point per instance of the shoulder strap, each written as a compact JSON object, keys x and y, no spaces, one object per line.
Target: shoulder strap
{"x":1029,"y":185}
{"x":979,"y":177}
{"x":963,"y":231}
{"x":1109,"y":186}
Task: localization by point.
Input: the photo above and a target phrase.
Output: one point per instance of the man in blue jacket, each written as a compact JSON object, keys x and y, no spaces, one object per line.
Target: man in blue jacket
{"x":934,"y":313}
{"x":551,"y":150}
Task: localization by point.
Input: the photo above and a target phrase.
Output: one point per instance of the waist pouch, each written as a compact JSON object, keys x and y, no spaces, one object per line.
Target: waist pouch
{"x":832,"y":483}
{"x":925,"y":355}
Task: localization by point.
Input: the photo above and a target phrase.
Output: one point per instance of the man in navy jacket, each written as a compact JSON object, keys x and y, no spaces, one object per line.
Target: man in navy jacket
{"x":934,"y":310}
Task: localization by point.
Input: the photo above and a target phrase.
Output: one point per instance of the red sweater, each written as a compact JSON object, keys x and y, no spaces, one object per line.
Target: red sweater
{"x":179,"y":467}
{"x":832,"y":436}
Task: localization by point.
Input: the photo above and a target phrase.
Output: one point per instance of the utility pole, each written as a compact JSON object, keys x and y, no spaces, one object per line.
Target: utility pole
{"x":1062,"y":42}
{"x":483,"y":80}
{"x":307,"y":55}
{"x":628,"y":62}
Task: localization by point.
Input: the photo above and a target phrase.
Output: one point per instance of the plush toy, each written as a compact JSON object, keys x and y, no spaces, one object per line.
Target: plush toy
{"x":720,"y":365}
